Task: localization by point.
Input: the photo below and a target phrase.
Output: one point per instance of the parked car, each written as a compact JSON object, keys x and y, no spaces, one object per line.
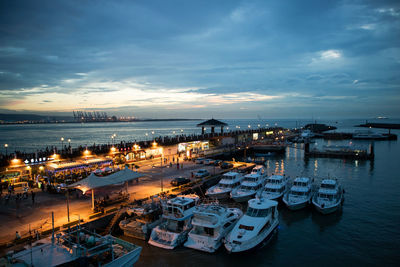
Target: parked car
{"x":201,"y":173}
{"x":199,"y":161}
{"x":179,"y":181}
{"x":226,"y":165}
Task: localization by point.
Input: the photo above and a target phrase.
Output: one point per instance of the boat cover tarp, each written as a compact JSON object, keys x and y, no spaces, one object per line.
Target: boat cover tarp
{"x":94,"y":181}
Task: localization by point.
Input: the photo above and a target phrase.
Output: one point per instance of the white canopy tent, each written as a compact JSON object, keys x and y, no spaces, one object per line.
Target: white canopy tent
{"x":93,"y":181}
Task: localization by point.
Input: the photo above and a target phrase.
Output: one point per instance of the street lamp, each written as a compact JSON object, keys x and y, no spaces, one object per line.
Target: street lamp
{"x":69,"y":145}
{"x":6,"y":146}
{"x":62,"y":144}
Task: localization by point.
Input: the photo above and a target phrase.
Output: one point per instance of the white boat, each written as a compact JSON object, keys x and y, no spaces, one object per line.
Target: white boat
{"x":177,"y":217}
{"x":367,"y":134}
{"x":275,"y":187}
{"x":256,"y":227}
{"x":211,"y":223}
{"x":228,"y":182}
{"x":252,"y":184}
{"x":329,"y":196}
{"x":299,"y":195}
{"x":142,"y":220}
{"x":67,"y":249}
{"x":260,"y":170}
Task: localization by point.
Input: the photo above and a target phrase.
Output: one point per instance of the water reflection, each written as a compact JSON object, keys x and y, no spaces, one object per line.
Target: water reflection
{"x":325,"y":221}
{"x":289,"y":217}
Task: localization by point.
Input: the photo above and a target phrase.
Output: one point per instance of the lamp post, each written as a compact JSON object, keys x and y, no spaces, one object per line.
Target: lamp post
{"x":62,"y":145}
{"x":69,"y":145}
{"x":6,"y":146}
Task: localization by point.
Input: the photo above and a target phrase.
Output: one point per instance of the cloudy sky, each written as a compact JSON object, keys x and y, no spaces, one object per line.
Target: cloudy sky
{"x":197,"y":59}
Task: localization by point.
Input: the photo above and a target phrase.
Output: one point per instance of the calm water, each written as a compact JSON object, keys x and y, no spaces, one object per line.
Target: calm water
{"x":365,"y":233}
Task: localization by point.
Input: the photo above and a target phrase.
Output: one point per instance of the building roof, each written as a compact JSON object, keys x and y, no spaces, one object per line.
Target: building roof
{"x":212,"y":122}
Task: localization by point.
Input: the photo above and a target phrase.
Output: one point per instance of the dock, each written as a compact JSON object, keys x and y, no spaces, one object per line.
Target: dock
{"x":348,"y":153}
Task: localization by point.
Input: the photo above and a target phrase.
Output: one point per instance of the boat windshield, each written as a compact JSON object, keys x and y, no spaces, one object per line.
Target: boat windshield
{"x":251,"y":179}
{"x":328,"y":186}
{"x":297,"y":193}
{"x":245,"y":187}
{"x":300,"y":184}
{"x":227,"y":185}
{"x":273,"y":181}
{"x":257,"y":212}
{"x":272,"y":190}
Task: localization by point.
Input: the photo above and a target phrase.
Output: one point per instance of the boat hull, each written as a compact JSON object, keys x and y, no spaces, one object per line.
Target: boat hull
{"x":325,"y":209}
{"x":203,"y":245}
{"x":296,"y":205}
{"x":170,"y":242}
{"x":263,"y":241}
{"x":243,"y":198}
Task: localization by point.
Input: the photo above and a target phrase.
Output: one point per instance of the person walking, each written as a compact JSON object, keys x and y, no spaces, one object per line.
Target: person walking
{"x":33,"y":197}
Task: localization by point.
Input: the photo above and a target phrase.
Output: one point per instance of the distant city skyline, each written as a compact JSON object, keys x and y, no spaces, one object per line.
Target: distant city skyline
{"x":183,"y":59}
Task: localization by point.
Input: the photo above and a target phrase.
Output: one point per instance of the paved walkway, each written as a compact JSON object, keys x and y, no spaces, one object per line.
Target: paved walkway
{"x":38,"y":215}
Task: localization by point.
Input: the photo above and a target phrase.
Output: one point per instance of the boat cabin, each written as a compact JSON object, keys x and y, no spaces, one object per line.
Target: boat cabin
{"x":180,"y":207}
{"x":261,"y":208}
{"x":275,"y":179}
{"x":259,"y":169}
{"x":301,"y":182}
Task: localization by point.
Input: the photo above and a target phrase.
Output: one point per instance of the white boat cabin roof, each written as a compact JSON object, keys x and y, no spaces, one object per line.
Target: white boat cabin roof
{"x":275,"y":177}
{"x":182,"y":200}
{"x":261,"y":203}
{"x":329,"y":182}
{"x":302,"y":179}
{"x":230,"y":175}
{"x":252,"y":175}
{"x":257,"y":169}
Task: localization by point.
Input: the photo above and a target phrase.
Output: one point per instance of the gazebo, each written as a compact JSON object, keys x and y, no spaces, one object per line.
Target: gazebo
{"x":212,"y":123}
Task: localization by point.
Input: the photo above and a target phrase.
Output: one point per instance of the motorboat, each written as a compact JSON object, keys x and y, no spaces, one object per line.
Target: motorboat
{"x":260,"y":170}
{"x":329,"y":196}
{"x":252,"y":184}
{"x":275,"y":187}
{"x":299,"y":195}
{"x":177,"y":217}
{"x":228,"y":182}
{"x":367,"y":134}
{"x":211,"y":223}
{"x":141,"y":220}
{"x":256,"y":227}
{"x":75,"y":247}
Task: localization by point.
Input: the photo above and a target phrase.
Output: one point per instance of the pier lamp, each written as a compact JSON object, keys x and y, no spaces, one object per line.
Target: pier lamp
{"x":173,"y":132}
{"x":6,"y":146}
{"x":249,"y":126}
{"x":113,"y":150}
{"x":69,"y":145}
{"x":181,"y":130}
{"x":154,"y":144}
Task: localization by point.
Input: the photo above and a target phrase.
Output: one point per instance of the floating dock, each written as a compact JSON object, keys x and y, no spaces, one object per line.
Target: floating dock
{"x":348,"y":153}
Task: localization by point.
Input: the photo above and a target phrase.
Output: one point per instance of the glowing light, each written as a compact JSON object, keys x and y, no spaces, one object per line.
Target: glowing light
{"x":113,"y":149}
{"x":41,"y":168}
{"x":15,"y":161}
{"x":86,"y":152}
{"x":154,"y":143}
{"x":62,"y":138}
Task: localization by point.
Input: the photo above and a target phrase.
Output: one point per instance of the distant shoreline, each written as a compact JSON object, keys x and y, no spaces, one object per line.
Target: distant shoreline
{"x":57,"y":122}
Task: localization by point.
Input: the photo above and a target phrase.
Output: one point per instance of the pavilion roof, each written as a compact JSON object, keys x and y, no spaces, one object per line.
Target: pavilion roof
{"x":212,"y":122}
{"x":93,"y":181}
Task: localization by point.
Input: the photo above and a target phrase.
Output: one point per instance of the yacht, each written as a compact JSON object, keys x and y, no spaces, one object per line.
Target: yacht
{"x":211,"y":223}
{"x":251,"y":185}
{"x":299,"y":195}
{"x":177,"y":216}
{"x":256,"y":227}
{"x":276,"y":187}
{"x":259,"y":170}
{"x":329,"y":196}
{"x":76,"y":247}
{"x":142,"y":220}
{"x":228,"y":182}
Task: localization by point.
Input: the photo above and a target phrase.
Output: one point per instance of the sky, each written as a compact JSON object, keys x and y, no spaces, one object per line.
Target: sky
{"x":199,"y":59}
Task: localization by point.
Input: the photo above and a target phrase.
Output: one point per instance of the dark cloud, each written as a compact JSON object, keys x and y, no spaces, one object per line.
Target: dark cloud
{"x":322,"y":50}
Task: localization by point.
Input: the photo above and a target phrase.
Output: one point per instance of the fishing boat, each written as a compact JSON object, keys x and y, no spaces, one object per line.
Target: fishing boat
{"x":211,"y":223}
{"x":228,"y":182}
{"x":329,"y":196}
{"x":275,"y":187}
{"x":142,"y":220}
{"x":177,"y":217}
{"x":299,"y":195}
{"x":78,"y":247}
{"x":255,"y":228}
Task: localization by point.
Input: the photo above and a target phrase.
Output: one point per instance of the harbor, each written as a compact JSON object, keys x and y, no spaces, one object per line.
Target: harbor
{"x":278,"y":158}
